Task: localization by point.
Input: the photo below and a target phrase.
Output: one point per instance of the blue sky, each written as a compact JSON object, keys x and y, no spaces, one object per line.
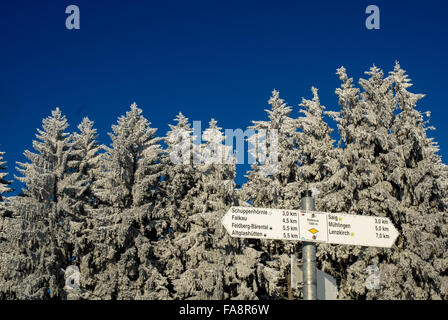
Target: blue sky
{"x":207,"y":59}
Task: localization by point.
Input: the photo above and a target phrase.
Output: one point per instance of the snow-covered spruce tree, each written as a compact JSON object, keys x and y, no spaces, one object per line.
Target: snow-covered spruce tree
{"x":274,"y":150}
{"x":180,"y":176}
{"x":47,"y":177}
{"x":215,"y":169}
{"x":272,"y":180}
{"x":317,"y":155}
{"x":178,"y":181}
{"x":4,"y":216}
{"x":86,"y":169}
{"x":87,"y":158}
{"x":118,"y":263}
{"x":374,"y":138}
{"x":364,"y":125}
{"x":359,"y":185}
{"x":38,"y":236}
{"x":417,"y":267}
{"x":131,"y":164}
{"x":201,"y":260}
{"x":206,"y":263}
{"x":4,"y":184}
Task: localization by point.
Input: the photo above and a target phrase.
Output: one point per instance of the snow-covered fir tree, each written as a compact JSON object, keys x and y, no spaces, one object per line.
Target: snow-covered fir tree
{"x":381,"y":161}
{"x":358,"y":186}
{"x":39,"y":234}
{"x":272,"y":179}
{"x":317,"y":155}
{"x":86,"y":169}
{"x":117,"y":261}
{"x":215,"y":170}
{"x":87,"y":158}
{"x":206,"y":263}
{"x":201,"y":260}
{"x":4,"y":184}
{"x":363,"y":131}
{"x":46,"y":175}
{"x":418,"y":268}
{"x":131,"y":165}
{"x":180,"y":175}
{"x":274,"y":150}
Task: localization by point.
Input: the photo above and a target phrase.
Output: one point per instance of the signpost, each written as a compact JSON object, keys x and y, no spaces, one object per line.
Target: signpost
{"x":309,"y":248}
{"x":309,"y":226}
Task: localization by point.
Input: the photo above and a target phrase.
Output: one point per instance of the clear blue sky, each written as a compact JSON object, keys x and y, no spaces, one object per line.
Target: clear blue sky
{"x":207,"y":59}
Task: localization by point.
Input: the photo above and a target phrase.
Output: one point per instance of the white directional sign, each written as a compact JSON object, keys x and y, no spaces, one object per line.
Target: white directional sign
{"x":279,"y":224}
{"x":262,"y":223}
{"x":347,"y":229}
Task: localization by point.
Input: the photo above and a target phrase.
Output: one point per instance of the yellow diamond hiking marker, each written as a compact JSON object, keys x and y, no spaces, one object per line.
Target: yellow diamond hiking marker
{"x":352,"y":234}
{"x":340,"y":219}
{"x":313,"y":231}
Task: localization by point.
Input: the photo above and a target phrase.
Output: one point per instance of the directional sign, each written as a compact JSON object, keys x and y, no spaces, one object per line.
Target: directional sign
{"x":262,"y":223}
{"x":348,"y":229}
{"x":338,"y":228}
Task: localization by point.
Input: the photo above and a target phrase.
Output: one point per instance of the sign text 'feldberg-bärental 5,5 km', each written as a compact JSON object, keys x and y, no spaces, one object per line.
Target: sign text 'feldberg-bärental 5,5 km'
{"x":301,"y":225}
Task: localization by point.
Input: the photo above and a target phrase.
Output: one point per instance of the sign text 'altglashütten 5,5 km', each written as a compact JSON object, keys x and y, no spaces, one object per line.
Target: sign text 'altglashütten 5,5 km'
{"x":312,"y":226}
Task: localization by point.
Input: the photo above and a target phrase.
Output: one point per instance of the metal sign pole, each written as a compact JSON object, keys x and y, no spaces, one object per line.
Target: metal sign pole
{"x":309,"y":255}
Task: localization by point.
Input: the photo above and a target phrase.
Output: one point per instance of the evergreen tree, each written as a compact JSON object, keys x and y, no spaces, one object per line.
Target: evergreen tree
{"x":364,"y":128}
{"x":4,"y":184}
{"x":417,"y":270}
{"x":215,"y":172}
{"x":131,"y":166}
{"x":201,"y":260}
{"x":180,"y":176}
{"x":317,"y":156}
{"x":206,"y":263}
{"x":384,"y":159}
{"x":274,"y":149}
{"x":358,"y":186}
{"x":271,"y":182}
{"x":44,"y":175}
{"x":117,"y":261}
{"x":88,"y":161}
{"x":38,"y":236}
